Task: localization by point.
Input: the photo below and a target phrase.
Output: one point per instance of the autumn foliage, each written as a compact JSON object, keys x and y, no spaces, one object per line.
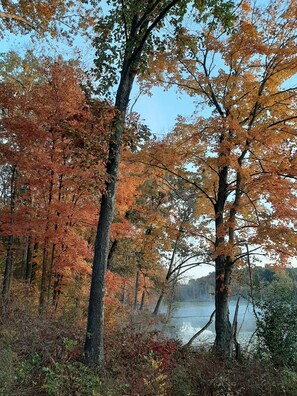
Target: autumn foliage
{"x":219,"y":189}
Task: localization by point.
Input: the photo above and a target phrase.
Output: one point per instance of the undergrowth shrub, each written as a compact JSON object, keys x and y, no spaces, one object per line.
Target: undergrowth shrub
{"x":199,"y":372}
{"x":277,"y":324}
{"x":44,"y":357}
{"x":140,"y":360}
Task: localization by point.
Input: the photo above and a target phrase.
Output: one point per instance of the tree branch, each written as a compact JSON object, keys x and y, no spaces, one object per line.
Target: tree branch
{"x":189,"y":343}
{"x":8,"y":15}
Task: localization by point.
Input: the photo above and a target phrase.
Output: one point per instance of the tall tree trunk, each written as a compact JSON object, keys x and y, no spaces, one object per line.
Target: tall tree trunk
{"x":223,"y":338}
{"x":44,"y":268}
{"x":136,"y":39}
{"x":51,"y":266}
{"x":94,"y":349}
{"x":32,"y":264}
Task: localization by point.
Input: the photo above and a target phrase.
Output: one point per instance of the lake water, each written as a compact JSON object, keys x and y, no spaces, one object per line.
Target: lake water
{"x":189,"y":317}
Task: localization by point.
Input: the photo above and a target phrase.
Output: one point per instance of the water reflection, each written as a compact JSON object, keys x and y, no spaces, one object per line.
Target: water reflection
{"x":189,"y":317}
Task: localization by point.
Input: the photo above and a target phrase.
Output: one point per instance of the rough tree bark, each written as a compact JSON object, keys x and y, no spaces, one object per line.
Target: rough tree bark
{"x":140,"y":30}
{"x":222,"y":273}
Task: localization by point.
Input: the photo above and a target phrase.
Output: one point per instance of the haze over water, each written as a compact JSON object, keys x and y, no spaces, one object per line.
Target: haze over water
{"x":189,"y":317}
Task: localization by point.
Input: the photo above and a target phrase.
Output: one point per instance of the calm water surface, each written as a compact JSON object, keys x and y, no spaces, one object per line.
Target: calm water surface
{"x":189,"y":317}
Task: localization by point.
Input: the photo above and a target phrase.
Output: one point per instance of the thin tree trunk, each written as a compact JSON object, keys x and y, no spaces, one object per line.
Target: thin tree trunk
{"x":26,"y":242}
{"x":57,"y":286}
{"x":136,"y":291}
{"x":50,"y":272}
{"x":28,"y":262}
{"x":7,"y":279}
{"x":158,"y":305}
{"x":234,"y":333}
{"x":43,"y":284}
{"x":142,"y":301}
{"x":44,"y":268}
{"x":8,"y":269}
{"x":28,"y":271}
{"x":124,"y":298}
{"x":32,"y":265}
{"x":169,"y":273}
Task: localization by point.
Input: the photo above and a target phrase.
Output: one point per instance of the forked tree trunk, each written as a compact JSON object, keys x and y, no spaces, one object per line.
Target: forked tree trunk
{"x":169,"y":271}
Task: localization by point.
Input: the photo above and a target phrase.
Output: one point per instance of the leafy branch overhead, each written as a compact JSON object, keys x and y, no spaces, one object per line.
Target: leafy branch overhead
{"x":131,"y":28}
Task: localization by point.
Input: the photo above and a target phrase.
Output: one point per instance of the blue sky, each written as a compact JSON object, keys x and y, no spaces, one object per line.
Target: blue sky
{"x":161,"y":109}
{"x":158,"y":111}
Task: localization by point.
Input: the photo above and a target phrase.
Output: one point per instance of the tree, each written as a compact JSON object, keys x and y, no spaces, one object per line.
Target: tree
{"x":59,"y":18}
{"x":184,"y":252}
{"x":126,"y":37}
{"x":244,"y":148}
{"x":54,"y":140}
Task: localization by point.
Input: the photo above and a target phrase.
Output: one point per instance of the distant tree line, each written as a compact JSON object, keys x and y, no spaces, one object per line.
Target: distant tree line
{"x":202,"y":289}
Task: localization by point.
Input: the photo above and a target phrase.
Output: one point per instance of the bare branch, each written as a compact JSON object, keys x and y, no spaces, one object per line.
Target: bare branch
{"x":190,"y":342}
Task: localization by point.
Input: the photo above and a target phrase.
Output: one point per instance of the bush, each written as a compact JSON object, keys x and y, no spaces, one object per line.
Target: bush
{"x":277,"y":323}
{"x":199,"y":372}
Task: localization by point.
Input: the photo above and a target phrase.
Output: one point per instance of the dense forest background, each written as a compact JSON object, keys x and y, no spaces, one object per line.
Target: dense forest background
{"x":263,"y":279}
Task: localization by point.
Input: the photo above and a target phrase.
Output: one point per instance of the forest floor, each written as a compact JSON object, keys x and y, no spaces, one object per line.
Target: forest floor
{"x":44,"y":356}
